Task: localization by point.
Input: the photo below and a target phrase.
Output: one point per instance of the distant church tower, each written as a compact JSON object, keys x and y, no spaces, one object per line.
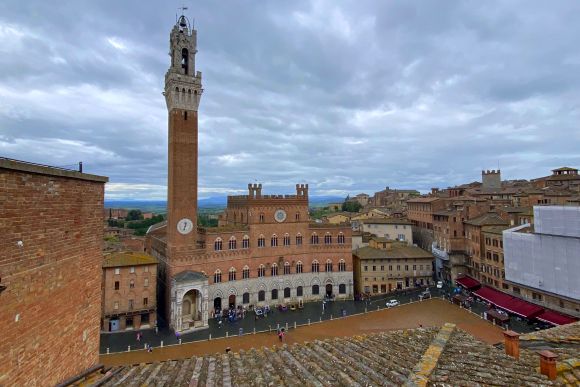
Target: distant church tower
{"x":182,"y":95}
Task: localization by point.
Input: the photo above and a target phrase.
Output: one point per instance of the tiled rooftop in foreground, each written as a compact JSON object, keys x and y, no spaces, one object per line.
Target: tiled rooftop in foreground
{"x":444,"y":356}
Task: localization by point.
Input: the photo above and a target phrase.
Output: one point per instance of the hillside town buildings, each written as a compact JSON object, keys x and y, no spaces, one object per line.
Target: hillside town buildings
{"x":393,"y":198}
{"x":264,"y":250}
{"x":51,"y":251}
{"x":466,"y":231}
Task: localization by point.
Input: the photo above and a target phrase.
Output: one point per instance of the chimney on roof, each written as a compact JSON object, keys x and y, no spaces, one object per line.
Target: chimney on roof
{"x":512,"y":343}
{"x":548,"y":364}
{"x":434,"y":190}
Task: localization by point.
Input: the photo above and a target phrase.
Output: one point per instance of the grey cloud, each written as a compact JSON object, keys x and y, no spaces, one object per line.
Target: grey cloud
{"x":348,"y":96}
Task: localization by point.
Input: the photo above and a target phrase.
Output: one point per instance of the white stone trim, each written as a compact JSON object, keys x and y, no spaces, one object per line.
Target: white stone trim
{"x":178,"y":291}
{"x":306,"y":280}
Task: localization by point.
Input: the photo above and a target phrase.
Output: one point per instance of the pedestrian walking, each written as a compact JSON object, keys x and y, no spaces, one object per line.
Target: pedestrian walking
{"x":156,"y":330}
{"x":138,"y":336}
{"x":280,"y":336}
{"x":149,"y":349}
{"x":177,"y":335}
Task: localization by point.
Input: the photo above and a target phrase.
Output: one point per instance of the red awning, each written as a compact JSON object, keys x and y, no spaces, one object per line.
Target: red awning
{"x":468,"y":282}
{"x":509,"y":303}
{"x":556,"y":318}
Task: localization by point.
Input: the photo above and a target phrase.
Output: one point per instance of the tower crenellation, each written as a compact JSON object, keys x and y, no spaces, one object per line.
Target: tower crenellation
{"x":491,"y":179}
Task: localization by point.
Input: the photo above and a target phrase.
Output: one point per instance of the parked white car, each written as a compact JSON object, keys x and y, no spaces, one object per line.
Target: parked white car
{"x":439,"y":284}
{"x":392,"y":303}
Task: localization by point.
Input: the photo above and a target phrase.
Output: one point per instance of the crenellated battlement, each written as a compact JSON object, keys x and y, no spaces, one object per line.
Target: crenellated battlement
{"x":255,"y":193}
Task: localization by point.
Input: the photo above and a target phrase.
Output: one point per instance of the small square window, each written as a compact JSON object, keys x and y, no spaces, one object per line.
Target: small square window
{"x":132,"y":270}
{"x":146,"y":282}
{"x":116,"y":305}
{"x":117,"y":270}
{"x":116,"y":285}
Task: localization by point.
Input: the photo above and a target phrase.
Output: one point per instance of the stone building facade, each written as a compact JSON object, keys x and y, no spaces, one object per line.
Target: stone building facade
{"x":265,"y":250}
{"x":50,"y":270}
{"x":386,"y":265}
{"x":129,"y":291}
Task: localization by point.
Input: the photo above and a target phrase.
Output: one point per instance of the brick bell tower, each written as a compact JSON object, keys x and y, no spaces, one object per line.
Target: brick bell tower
{"x":182,"y":95}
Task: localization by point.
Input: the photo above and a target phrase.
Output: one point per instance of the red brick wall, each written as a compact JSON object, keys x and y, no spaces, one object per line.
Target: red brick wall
{"x":182,"y":178}
{"x":53,"y":280}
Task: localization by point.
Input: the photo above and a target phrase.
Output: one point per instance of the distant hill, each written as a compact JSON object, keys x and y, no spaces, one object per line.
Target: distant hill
{"x":216,"y":202}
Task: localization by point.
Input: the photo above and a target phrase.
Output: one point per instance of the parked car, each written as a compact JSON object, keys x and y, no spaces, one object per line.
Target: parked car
{"x":439,"y":284}
{"x":392,"y":303}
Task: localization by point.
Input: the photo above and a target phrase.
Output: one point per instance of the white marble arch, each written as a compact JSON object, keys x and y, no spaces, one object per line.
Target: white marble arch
{"x":191,"y":287}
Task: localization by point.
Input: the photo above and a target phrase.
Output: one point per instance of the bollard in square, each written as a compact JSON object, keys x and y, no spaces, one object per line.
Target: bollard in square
{"x":161,"y":343}
{"x":128,"y":348}
{"x":107,"y":350}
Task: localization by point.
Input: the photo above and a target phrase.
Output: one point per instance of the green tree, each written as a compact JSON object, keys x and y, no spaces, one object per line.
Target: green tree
{"x":134,"y":215}
{"x":203,"y":220}
{"x":351,"y":206}
{"x":116,"y":223}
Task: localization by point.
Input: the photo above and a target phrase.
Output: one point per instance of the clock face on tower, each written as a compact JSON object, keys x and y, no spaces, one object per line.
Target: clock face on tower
{"x":280,"y":215}
{"x":184,"y":226}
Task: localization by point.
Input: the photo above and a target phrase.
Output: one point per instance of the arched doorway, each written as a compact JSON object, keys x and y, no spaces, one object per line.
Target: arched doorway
{"x":217,"y":303}
{"x":232,"y":301}
{"x":328,"y":290}
{"x":191,"y":309}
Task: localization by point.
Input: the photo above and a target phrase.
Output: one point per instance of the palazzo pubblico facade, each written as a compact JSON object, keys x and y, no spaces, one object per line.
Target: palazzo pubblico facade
{"x":265,"y":249}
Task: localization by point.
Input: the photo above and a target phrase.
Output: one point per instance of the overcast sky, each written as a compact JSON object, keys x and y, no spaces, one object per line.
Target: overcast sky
{"x":346,"y":96}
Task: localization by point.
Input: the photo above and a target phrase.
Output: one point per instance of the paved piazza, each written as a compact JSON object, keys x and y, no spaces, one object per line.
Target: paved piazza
{"x":434,"y":312}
